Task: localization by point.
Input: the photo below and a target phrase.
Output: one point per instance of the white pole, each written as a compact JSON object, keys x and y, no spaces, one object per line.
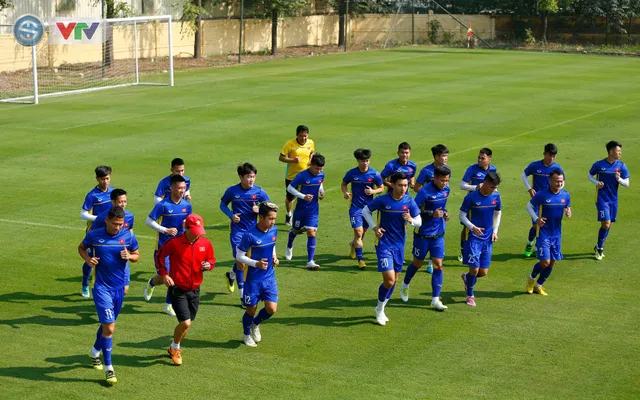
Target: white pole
{"x":34,"y":61}
{"x":135,"y":50}
{"x":170,"y":53}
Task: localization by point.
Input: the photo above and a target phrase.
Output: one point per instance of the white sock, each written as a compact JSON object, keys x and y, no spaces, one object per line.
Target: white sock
{"x":232,"y":274}
{"x":538,"y":285}
{"x":108,"y":367}
{"x":380,"y":306}
{"x":530,"y":243}
{"x":175,"y":346}
{"x":289,"y":214}
{"x":94,"y":352}
{"x":384,"y":303}
{"x":531,"y":277}
{"x":241,"y":291}
{"x":167,"y":305}
{"x":435,"y":299}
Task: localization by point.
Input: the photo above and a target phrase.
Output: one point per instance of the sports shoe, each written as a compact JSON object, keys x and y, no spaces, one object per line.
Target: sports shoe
{"x":168,"y":309}
{"x":85,"y":292}
{"x":352,"y":252}
{"x":176,"y":355}
{"x":599,"y":253}
{"x":255,"y":333}
{"x":460,"y":258}
{"x":471,"y":301}
{"x":288,"y":254}
{"x":312,"y":266}
{"x":111,"y":376}
{"x":287,"y":220}
{"x":464,"y":279}
{"x":430,"y":267}
{"x":404,"y":292}
{"x":530,"y":284}
{"x":96,"y":363}
{"x":540,"y":290}
{"x":230,"y":282}
{"x":248,"y":340}
{"x":528,"y":250}
{"x":148,"y":292}
{"x":437,"y":304}
{"x":362,"y":264}
{"x":381,"y":319}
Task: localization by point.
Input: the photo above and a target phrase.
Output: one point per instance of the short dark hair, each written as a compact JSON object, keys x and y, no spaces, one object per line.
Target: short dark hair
{"x":556,"y":172}
{"x":362,"y":154}
{"x":441,"y":170}
{"x":613,"y":144}
{"x":116,"y":212}
{"x":301,"y":129}
{"x":246,"y":169}
{"x":176,"y":162}
{"x":439,"y":149}
{"x":117,"y":193}
{"x":486,"y":151}
{"x":398,"y":176}
{"x":177,"y":179}
{"x":317,"y":160}
{"x":102,"y":171}
{"x":551,"y":148}
{"x":492,"y":178}
{"x":404,"y":146}
{"x":266,"y":207}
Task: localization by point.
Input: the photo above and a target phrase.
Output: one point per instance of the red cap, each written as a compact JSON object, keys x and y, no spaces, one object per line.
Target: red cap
{"x":195,"y":223}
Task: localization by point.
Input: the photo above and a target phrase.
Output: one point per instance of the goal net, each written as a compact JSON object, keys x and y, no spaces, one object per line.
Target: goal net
{"x":84,"y":55}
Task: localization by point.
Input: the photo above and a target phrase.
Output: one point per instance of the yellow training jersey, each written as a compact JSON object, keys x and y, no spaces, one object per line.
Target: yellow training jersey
{"x":293,"y":149}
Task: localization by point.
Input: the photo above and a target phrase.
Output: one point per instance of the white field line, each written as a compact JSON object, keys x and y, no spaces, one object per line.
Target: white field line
{"x":11,"y":221}
{"x":204,"y":81}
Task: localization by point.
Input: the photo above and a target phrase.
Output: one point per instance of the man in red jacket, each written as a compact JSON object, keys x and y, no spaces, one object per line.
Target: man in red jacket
{"x":189,"y":255}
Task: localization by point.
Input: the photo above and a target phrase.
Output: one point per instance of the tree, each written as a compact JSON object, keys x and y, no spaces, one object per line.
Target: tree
{"x":5,"y":4}
{"x":546,"y":7}
{"x":632,"y":13}
{"x":613,"y":12}
{"x":191,"y":20}
{"x":276,"y":9}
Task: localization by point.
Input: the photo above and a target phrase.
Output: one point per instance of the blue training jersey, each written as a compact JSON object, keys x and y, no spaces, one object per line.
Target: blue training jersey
{"x":110,"y":271}
{"x":606,"y":173}
{"x":242,"y":202}
{"x":427,"y":173}
{"x":101,"y":220}
{"x":475,"y":175}
{"x":395,"y":166}
{"x":551,"y":206}
{"x":541,"y":174}
{"x":170,"y":215}
{"x":431,"y":198}
{"x":164,"y":186}
{"x":359,"y":182}
{"x":258,"y":245}
{"x":306,"y":183}
{"x":480,"y":210}
{"x":390,"y":218}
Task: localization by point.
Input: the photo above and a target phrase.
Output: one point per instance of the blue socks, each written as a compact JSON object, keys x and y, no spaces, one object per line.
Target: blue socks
{"x":411,"y":271}
{"x":239,"y":276}
{"x":471,"y":282}
{"x":382,"y":293}
{"x":262,"y":316}
{"x":436,"y":281}
{"x":602,"y":236}
{"x":532,"y":233}
{"x":167,"y":298}
{"x":359,"y":253}
{"x":311,"y":247}
{"x":247,"y":320}
{"x":536,"y":270}
{"x":86,"y":273}
{"x":390,"y":292}
{"x":544,"y":274}
{"x":107,"y":344}
{"x":292,"y":237}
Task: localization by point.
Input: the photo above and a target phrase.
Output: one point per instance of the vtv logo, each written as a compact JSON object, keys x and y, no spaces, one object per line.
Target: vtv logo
{"x":77,"y":28}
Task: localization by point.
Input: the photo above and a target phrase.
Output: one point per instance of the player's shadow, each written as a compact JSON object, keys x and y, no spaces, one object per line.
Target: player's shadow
{"x":325,"y":321}
{"x":89,"y":309}
{"x":461,"y":296}
{"x":46,"y":374}
{"x":26,"y":297}
{"x":503,"y":257}
{"x":82,"y":361}
{"x":327,"y":262}
{"x":45,"y":320}
{"x":161,"y":343}
{"x":578,"y":256}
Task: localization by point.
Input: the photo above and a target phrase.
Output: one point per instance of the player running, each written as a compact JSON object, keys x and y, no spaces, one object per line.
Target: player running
{"x":400,"y":164}
{"x":164,"y":186}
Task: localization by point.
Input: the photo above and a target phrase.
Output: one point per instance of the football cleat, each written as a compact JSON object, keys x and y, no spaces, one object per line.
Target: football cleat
{"x":471,"y":301}
{"x":230,"y":282}
{"x":530,"y":285}
{"x":288,"y":254}
{"x":599,"y":253}
{"x":381,"y":319}
{"x":176,"y":355}
{"x":255,"y":333}
{"x":352,"y":252}
{"x":528,"y":250}
{"x":362,"y":264}
{"x":312,"y":266}
{"x":168,"y":309}
{"x":96,"y":363}
{"x":111,"y":377}
{"x":540,"y":291}
{"x":148,"y":292}
{"x":437,"y":304}
{"x":404,"y":292}
{"x":248,"y":340}
{"x":287,"y":220}
{"x":430,"y":267}
{"x":460,"y":256}
{"x":85,"y":292}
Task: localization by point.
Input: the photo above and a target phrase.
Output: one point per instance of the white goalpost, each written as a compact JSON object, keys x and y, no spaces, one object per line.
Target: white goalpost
{"x":83,"y":55}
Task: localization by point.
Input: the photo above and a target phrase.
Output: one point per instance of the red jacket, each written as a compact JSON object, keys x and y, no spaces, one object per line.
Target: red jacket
{"x":185,"y":260}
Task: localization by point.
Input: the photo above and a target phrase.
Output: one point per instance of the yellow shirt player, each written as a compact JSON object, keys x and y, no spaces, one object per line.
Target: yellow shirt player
{"x":297,"y":154}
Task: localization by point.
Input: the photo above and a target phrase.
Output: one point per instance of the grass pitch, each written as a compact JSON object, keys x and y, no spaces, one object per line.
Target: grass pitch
{"x":579,"y":342}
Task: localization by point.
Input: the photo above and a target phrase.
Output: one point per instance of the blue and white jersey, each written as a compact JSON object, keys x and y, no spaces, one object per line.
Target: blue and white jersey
{"x":480,"y":210}
{"x":101,"y":220}
{"x":242,"y":202}
{"x":307,"y":183}
{"x":170,"y":215}
{"x":427,"y":173}
{"x":390,"y":219}
{"x":359,"y":182}
{"x":110,"y":272}
{"x":606,"y":173}
{"x":475,"y":175}
{"x":164,"y":186}
{"x":551,"y":206}
{"x":431,"y":198}
{"x":258,"y":245}
{"x":394,"y":166}
{"x":541,"y":174}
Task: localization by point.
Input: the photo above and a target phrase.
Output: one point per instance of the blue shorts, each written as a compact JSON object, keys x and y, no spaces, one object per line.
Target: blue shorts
{"x":235,"y":238}
{"x":302,"y":220}
{"x":477,"y":253}
{"x":355,"y":216}
{"x":127,"y":274}
{"x":607,"y":211}
{"x":549,"y":248}
{"x":390,"y":259}
{"x":108,"y":303}
{"x":260,"y":290}
{"x":422,"y":246}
